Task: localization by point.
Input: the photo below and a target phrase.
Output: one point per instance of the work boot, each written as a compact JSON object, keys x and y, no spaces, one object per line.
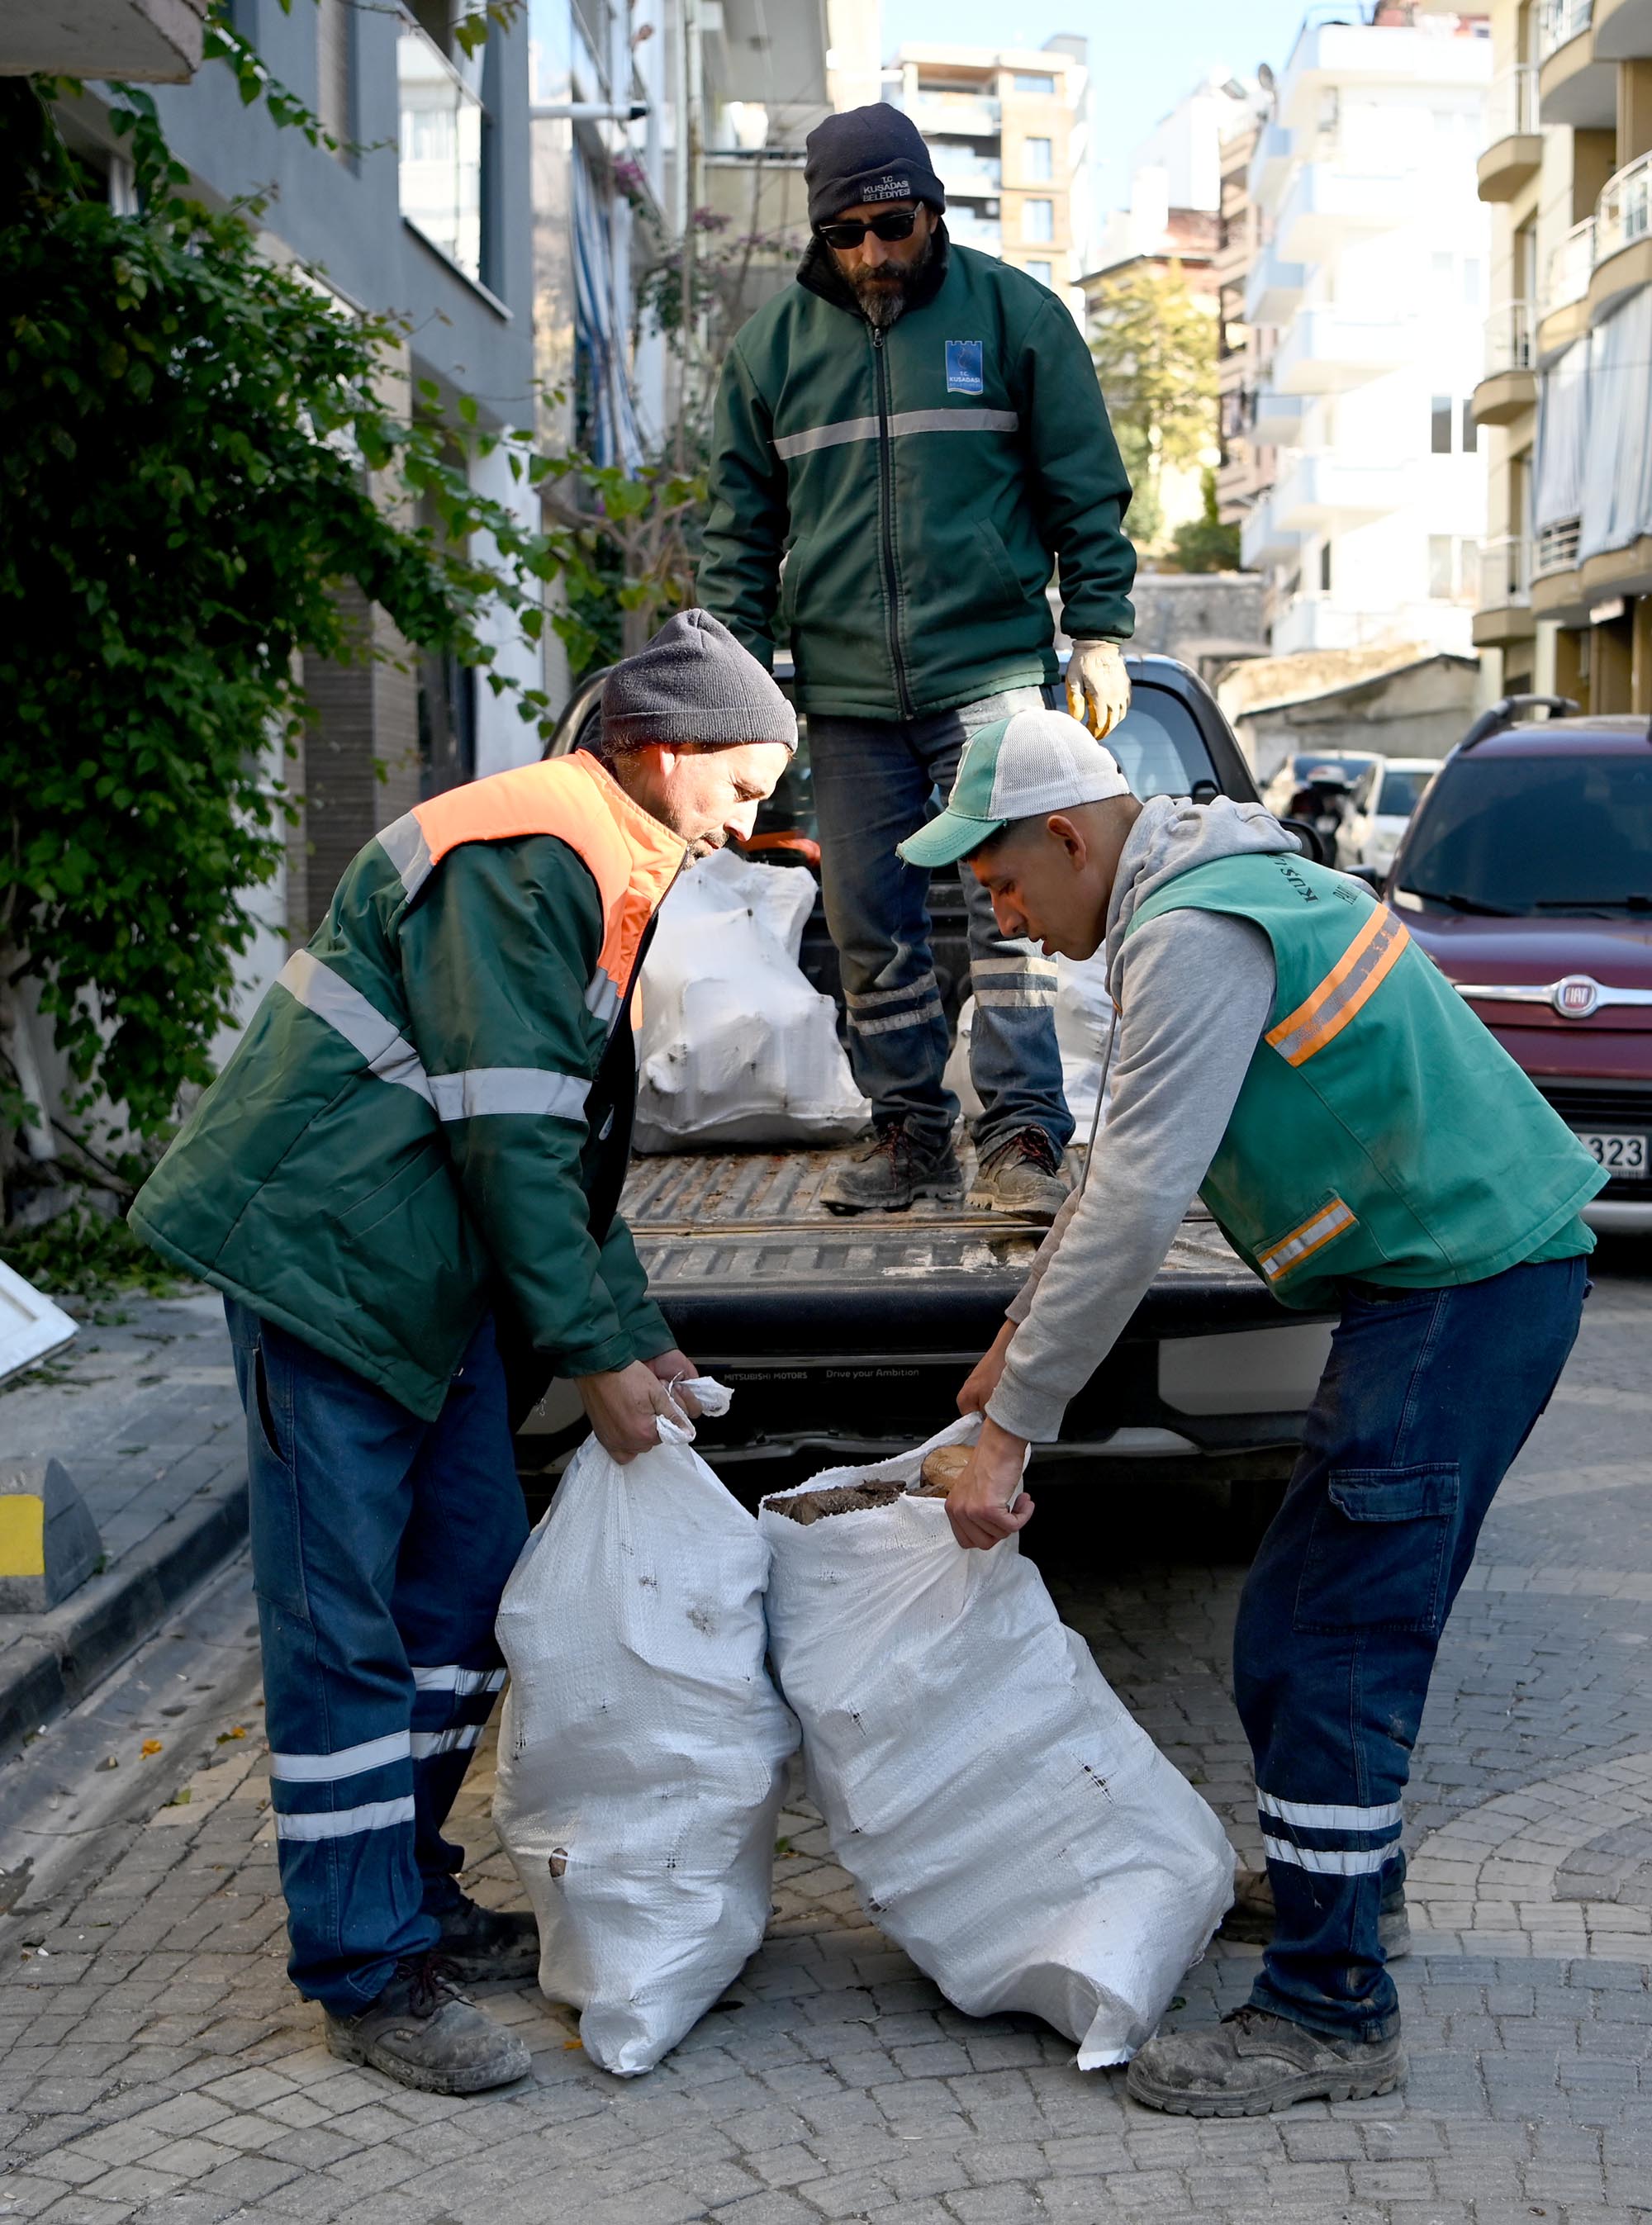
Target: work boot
{"x":1021,"y":1175}
{"x":1250,"y":1922}
{"x":423,"y":2032}
{"x":887,"y":1173}
{"x":488,"y":1946}
{"x":1254,"y":2061}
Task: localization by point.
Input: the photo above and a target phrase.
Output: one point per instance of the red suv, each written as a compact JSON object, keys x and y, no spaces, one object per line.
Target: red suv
{"x":1526,"y":874}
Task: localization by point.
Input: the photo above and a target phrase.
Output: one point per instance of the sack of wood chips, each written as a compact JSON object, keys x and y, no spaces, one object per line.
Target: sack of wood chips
{"x":643,"y":1748}
{"x":1005,"y":1821}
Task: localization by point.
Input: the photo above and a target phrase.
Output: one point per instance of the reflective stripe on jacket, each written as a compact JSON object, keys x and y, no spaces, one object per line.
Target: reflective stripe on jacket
{"x":1382,"y":1131}
{"x":424,"y":1106}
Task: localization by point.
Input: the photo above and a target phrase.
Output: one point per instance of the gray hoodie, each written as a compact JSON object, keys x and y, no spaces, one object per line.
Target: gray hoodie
{"x":1194,"y":989}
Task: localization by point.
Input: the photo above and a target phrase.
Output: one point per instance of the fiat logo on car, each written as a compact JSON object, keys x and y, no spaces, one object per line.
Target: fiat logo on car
{"x":1576,"y":997}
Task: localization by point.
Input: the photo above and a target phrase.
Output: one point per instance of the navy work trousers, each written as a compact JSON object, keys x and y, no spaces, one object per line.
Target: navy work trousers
{"x":380,"y":1546}
{"x":1427,"y":1398}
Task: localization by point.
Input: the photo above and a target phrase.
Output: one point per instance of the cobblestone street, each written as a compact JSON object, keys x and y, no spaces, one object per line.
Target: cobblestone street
{"x":156,"y":2066}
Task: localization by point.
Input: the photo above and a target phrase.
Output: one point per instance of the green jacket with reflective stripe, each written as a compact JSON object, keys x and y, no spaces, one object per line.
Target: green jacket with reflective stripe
{"x":920,"y":484}
{"x":415,"y":1124}
{"x":1382,"y":1131}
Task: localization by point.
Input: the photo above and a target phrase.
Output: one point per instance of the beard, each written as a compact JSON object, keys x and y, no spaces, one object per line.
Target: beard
{"x":884,"y":295}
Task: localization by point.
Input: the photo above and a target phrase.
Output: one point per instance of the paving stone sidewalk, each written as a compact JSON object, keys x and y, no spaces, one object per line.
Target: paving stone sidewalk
{"x":154,"y":2064}
{"x":142,"y":1410}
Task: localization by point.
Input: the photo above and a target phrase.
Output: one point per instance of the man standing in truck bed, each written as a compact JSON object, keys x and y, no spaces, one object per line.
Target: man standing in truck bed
{"x":906,"y":441}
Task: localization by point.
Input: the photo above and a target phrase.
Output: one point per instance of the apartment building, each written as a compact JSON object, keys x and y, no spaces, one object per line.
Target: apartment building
{"x":1369,"y":271}
{"x":157,"y":41}
{"x":1008,"y":128}
{"x":1247,"y":467}
{"x":1566,"y":392}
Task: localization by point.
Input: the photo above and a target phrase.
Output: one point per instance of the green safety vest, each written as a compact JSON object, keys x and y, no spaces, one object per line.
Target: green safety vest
{"x":1381,"y":1132}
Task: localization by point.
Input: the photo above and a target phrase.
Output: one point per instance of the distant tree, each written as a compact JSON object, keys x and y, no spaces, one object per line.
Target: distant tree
{"x":1155,"y":350}
{"x":1206,"y":544}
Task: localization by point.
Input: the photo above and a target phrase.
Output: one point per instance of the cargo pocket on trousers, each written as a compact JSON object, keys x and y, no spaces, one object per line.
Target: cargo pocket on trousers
{"x":1379,"y":1552}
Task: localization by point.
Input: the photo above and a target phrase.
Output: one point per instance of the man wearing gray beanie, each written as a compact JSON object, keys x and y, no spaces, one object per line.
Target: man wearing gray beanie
{"x":425,"y":1128}
{"x":908,"y":442}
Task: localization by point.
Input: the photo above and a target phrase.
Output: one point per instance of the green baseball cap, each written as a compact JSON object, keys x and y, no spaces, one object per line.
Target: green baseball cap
{"x":1032,"y":761}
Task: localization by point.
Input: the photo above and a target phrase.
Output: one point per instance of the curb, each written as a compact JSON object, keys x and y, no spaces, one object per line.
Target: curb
{"x":73,"y":1647}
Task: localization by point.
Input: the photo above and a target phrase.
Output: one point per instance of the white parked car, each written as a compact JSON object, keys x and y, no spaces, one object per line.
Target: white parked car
{"x":1380,"y":806}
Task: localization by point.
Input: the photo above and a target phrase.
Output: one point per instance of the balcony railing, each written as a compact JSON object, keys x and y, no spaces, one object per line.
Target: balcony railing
{"x":442,"y":134}
{"x":1505,"y":572}
{"x":1511,"y":103}
{"x":1623,"y":213}
{"x":1557,"y":548}
{"x":1566,"y":278}
{"x":966,"y":115}
{"x":1508,"y":339}
{"x":1560,"y":22}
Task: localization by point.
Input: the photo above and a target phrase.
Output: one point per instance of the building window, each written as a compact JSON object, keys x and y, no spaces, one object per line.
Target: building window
{"x":335,"y":22}
{"x":1439,"y":425}
{"x":1471,"y":430}
{"x":443,"y":142}
{"x":1453,"y":568}
{"x":1038,"y":220}
{"x":1031,"y":81}
{"x":1037,"y":161}
{"x":1043,"y":272}
{"x":1325,"y":567}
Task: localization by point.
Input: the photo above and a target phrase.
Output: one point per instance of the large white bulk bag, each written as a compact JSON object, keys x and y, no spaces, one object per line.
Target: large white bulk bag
{"x":1005,"y":1821}
{"x":643,"y":1748}
{"x":736,"y":1047}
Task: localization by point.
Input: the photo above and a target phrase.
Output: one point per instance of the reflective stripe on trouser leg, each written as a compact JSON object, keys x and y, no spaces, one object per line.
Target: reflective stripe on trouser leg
{"x":450,"y":1711}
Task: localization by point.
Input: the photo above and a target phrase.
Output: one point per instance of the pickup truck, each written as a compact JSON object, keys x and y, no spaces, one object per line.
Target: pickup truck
{"x":848,"y":1338}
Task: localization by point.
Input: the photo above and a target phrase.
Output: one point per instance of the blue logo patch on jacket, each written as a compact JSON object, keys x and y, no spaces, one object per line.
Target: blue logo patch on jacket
{"x":964,"y":371}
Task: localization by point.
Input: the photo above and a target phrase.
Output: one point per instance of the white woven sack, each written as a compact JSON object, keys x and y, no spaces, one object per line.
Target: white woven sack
{"x":643,"y":1748}
{"x":1004,"y":1819}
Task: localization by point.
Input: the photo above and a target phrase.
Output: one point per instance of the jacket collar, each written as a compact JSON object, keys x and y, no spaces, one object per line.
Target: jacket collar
{"x":657,"y":855}
{"x":819,"y":274}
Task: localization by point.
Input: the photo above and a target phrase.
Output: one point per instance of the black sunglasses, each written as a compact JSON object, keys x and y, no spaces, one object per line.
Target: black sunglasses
{"x":897,"y":224}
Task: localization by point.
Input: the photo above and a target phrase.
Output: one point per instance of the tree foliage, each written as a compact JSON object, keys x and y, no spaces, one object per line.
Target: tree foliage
{"x":1205,"y":544}
{"x":1155,"y":350}
{"x":197,"y":447}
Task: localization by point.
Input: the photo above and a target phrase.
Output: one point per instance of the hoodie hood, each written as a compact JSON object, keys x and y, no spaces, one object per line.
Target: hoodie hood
{"x":1173,"y":837}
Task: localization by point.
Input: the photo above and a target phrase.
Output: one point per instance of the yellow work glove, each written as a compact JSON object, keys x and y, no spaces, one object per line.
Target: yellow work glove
{"x":1098,"y":686}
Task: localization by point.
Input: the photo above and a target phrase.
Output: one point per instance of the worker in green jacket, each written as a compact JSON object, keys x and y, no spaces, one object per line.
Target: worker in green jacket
{"x":1370,"y":1150}
{"x":908,"y":442}
{"x":426,"y":1125}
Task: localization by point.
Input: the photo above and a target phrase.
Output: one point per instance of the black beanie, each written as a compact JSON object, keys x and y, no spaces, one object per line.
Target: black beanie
{"x":693,"y":683}
{"x":868,"y":155}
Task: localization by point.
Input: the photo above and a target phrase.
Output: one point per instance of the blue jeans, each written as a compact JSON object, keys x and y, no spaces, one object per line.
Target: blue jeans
{"x":380,"y":1546}
{"x":876,"y":782}
{"x":1427,"y":1398}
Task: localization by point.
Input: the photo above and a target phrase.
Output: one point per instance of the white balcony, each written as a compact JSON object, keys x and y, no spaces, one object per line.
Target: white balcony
{"x":1276,"y":419}
{"x":1262,"y":540}
{"x":1511,"y":105}
{"x":441,"y":168}
{"x":1332,"y":57}
{"x":1510,"y":342}
{"x":956,"y":115}
{"x":1330,"y":493}
{"x":1506,"y":573}
{"x":968,"y":179}
{"x":1321,"y":622}
{"x":1558,"y":23}
{"x":1327,"y":206}
{"x":1329,"y":351}
{"x":1566,"y":278}
{"x":1624,"y":212}
{"x":1274,"y":290}
{"x":1269,"y":164}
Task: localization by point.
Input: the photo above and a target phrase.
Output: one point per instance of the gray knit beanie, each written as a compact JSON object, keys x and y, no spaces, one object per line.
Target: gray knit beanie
{"x":693,"y":683}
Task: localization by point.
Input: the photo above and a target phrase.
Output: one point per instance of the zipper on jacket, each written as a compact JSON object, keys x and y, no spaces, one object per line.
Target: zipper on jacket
{"x":887,"y":520}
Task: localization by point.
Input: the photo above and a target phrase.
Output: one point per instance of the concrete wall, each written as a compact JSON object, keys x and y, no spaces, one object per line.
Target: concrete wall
{"x":1206,"y":618}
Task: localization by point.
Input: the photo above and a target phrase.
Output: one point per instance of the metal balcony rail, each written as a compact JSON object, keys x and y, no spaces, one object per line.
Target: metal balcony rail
{"x":1511,"y":103}
{"x":1508,"y":339}
{"x":1506,"y":572}
{"x":441,"y":145}
{"x":1557,"y":547}
{"x":1559,"y":22}
{"x":1566,"y":278}
{"x":1624,"y":212}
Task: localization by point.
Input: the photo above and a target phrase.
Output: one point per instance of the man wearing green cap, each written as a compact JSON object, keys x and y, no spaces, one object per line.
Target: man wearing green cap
{"x":1286,"y":1051}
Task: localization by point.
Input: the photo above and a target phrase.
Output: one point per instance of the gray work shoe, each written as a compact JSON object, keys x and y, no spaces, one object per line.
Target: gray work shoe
{"x":885,"y":1175}
{"x":1250,"y":1921}
{"x":488,"y":1946}
{"x":423,"y":2032}
{"x":1252,"y":2062}
{"x":1021,"y":1175}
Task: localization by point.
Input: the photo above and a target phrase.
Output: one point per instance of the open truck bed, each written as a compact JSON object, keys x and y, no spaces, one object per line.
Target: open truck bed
{"x":849,"y":1336}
